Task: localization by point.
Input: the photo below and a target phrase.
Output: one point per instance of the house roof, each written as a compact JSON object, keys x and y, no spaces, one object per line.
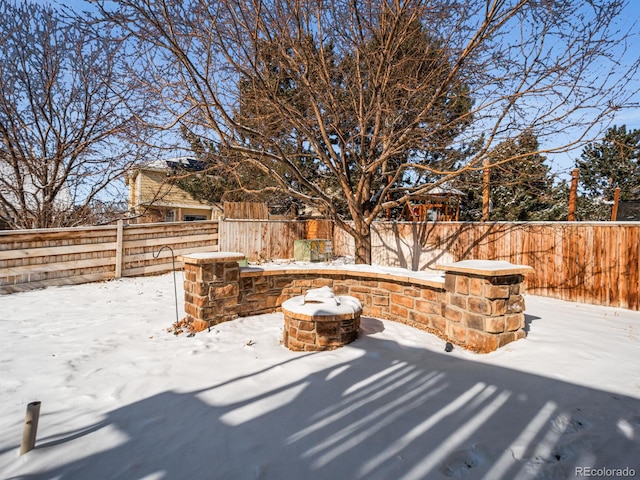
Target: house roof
{"x":188,"y":163}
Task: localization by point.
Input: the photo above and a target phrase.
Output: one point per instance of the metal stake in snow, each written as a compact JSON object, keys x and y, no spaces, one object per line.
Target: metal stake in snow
{"x":30,"y":427}
{"x":173,"y":264}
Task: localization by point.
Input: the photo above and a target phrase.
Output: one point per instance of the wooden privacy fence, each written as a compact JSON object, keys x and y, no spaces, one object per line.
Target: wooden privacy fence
{"x":39,"y":258}
{"x":594,"y":263}
{"x":261,"y":240}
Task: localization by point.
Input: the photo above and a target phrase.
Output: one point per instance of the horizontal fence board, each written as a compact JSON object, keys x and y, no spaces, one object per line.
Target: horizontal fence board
{"x":162,"y":228}
{"x":169,"y":240}
{"x":55,"y":251}
{"x":166,"y":254}
{"x":60,"y":266}
{"x":57,"y":234}
{"x":151,"y":269}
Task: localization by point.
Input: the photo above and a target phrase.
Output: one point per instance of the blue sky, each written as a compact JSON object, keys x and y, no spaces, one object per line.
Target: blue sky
{"x":560,"y":163}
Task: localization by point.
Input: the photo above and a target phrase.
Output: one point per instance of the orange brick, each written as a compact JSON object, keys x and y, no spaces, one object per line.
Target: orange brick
{"x":397,"y":299}
{"x":305,"y":337}
{"x":390,"y":287}
{"x":473,"y":320}
{"x":429,"y":294}
{"x":398,"y":310}
{"x":439,"y":324}
{"x":514,"y":321}
{"x":229,"y":290}
{"x":452,"y":313}
{"x":419,"y":317}
{"x":376,"y":311}
{"x":411,"y":292}
{"x":200,"y":301}
{"x":450,"y":282}
{"x":498,"y":307}
{"x":358,"y":289}
{"x":455,"y":300}
{"x":462,"y":285}
{"x":199,"y":325}
{"x":494,"y":324}
{"x":379,"y":300}
{"x":457,"y":333}
{"x":476,"y":286}
{"x":482,"y":342}
{"x":295,"y":345}
{"x":364,"y":298}
{"x":428,"y":307}
{"x":479,"y":305}
{"x":306,"y":326}
{"x":496,"y":291}
{"x":341,"y":289}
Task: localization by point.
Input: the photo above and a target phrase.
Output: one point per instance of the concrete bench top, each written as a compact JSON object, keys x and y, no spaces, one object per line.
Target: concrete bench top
{"x":374,"y":272}
{"x":201,"y":258}
{"x":486,"y":267}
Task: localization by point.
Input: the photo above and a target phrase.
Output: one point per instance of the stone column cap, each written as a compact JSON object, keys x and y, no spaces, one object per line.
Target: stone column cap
{"x":202,"y":258}
{"x":486,"y":267}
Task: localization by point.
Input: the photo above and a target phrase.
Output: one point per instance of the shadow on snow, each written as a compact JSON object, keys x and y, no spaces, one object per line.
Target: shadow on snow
{"x":394,"y":412}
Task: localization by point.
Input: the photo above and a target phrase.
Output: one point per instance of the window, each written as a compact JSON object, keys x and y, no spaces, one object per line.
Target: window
{"x":194,"y":218}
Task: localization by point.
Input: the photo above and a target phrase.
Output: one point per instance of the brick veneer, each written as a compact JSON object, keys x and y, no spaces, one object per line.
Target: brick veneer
{"x":211,"y":288}
{"x":321,"y":328}
{"x":478,"y":305}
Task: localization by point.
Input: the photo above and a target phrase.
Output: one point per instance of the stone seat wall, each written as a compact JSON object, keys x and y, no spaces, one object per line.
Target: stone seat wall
{"x":476,"y":305}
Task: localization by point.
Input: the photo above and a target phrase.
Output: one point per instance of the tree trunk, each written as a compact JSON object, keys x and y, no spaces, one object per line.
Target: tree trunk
{"x":363,"y":243}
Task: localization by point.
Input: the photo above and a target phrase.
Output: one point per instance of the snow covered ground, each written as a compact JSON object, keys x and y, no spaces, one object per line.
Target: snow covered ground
{"x":124,"y":399}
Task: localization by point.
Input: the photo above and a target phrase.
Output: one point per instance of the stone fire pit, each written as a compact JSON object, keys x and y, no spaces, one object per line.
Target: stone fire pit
{"x":320,"y":320}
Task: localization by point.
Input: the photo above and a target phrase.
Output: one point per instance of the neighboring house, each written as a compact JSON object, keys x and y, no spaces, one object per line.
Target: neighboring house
{"x":153,"y":199}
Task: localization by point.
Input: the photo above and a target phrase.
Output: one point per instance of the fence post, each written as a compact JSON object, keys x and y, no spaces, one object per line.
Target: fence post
{"x":616,"y":201}
{"x":486,"y":193}
{"x":573,"y":194}
{"x":220,"y":233}
{"x":119,"y":252}
{"x":30,"y":428}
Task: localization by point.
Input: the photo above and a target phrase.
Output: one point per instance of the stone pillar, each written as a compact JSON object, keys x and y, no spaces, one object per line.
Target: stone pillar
{"x":211,"y":287}
{"x":484,"y":307}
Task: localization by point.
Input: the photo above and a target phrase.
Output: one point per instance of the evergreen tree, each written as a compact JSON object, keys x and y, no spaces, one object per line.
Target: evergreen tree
{"x":520,"y":190}
{"x":614,"y":162}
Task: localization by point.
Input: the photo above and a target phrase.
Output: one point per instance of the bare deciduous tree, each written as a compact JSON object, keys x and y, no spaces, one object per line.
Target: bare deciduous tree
{"x":65,"y":124}
{"x":356,"y":106}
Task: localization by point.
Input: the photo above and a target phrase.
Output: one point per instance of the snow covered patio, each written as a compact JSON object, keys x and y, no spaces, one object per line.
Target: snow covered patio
{"x":123,"y":398}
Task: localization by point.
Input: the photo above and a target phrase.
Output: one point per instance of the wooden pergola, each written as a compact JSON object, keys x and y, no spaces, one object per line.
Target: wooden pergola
{"x":440,"y":204}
